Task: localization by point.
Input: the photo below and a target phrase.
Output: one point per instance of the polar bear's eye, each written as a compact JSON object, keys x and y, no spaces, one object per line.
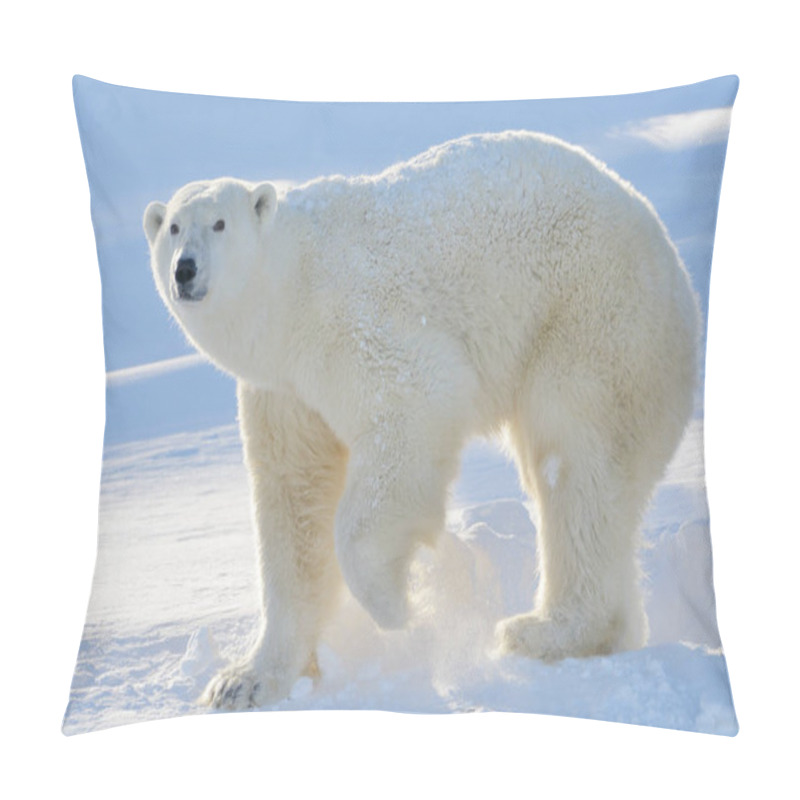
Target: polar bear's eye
{"x":219,"y":225}
{"x":173,"y":229}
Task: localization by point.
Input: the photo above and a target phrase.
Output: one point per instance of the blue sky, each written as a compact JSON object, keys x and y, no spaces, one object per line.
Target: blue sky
{"x":142,"y":145}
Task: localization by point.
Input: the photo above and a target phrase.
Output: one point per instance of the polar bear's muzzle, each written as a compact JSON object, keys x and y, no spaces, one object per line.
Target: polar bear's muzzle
{"x":185,"y":285}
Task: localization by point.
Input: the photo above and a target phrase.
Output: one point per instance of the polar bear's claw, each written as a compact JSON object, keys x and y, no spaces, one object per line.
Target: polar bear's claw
{"x":239,"y":687}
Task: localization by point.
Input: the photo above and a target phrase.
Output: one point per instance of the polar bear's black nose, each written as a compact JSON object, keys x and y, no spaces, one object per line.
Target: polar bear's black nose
{"x":186,"y":270}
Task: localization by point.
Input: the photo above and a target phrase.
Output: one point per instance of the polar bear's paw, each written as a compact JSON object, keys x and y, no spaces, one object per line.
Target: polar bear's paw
{"x":377,"y":578}
{"x":387,"y":605}
{"x":550,"y":640}
{"x":241,"y":686}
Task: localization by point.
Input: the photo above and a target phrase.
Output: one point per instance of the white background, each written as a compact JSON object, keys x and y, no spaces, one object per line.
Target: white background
{"x":52,"y":400}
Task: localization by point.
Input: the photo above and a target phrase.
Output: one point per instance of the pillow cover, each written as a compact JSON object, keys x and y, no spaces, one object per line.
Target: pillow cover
{"x":451,"y":356}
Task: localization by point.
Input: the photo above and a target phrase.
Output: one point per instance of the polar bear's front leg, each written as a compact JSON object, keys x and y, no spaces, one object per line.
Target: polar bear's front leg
{"x":394,"y":501}
{"x":297,"y":469}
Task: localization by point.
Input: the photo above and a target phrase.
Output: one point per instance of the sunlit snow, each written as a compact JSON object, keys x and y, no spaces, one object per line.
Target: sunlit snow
{"x":174,"y":598}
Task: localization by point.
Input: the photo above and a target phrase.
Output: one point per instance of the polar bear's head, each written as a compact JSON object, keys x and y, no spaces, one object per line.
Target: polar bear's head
{"x":206,"y":244}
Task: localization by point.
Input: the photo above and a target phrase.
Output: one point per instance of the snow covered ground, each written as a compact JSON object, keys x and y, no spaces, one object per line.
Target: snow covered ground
{"x":174,"y":598}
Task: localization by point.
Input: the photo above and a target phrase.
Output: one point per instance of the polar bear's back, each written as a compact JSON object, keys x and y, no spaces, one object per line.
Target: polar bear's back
{"x":496,"y":242}
{"x":465,"y":173}
{"x":526,"y":202}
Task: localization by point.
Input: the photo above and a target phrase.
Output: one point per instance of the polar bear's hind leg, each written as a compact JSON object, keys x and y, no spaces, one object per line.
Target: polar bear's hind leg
{"x":581,"y":473}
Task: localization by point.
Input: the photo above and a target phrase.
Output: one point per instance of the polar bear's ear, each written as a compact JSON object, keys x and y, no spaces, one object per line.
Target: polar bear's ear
{"x":154,"y":216}
{"x":265,"y":201}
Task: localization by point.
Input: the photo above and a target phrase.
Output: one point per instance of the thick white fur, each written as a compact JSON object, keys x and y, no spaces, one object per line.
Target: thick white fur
{"x":375,"y":324}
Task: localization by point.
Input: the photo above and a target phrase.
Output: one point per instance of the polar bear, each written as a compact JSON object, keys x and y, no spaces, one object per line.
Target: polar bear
{"x":497,"y":282}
